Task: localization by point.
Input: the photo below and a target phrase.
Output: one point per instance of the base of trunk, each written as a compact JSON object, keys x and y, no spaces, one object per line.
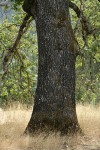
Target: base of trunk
{"x":52,"y":126}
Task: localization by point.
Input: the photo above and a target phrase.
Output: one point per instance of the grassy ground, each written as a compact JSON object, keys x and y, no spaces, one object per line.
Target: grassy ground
{"x":14,"y":120}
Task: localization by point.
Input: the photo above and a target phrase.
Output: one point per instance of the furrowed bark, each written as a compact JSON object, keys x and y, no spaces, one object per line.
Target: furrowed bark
{"x":54,"y":104}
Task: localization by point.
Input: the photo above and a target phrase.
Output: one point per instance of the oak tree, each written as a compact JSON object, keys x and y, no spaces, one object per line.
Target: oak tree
{"x":54,"y":103}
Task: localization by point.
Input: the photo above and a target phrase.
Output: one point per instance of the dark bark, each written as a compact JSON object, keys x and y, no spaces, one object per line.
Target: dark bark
{"x":54,"y":104}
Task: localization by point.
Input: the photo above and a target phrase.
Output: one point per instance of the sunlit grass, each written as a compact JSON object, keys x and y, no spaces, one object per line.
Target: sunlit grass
{"x":14,"y":120}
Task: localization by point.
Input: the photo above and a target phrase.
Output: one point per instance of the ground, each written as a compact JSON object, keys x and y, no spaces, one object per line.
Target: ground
{"x":14,"y":120}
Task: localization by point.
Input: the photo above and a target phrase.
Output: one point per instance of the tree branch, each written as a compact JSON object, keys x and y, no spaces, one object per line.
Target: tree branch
{"x":23,"y":28}
{"x":75,"y":8}
{"x":85,"y":23}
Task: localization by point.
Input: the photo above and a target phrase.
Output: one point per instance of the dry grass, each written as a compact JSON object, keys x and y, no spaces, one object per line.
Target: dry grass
{"x":14,"y":120}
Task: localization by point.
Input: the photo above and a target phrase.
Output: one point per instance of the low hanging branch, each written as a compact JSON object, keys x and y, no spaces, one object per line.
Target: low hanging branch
{"x":8,"y":57}
{"x":85,"y":23}
{"x":25,"y":24}
{"x":87,"y":28}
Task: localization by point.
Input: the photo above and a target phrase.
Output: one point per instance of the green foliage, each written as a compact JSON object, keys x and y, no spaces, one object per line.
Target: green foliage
{"x":20,"y":82}
{"x":88,"y":65}
{"x":16,"y":3}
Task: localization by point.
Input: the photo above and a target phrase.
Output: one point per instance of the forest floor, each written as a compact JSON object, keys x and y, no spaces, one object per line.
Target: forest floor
{"x":14,"y":120}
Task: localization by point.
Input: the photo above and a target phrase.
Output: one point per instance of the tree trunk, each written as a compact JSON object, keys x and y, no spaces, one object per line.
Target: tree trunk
{"x":54,"y":104}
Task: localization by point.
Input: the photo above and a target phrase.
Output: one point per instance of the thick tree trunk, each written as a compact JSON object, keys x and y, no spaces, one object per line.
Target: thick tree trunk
{"x":54,"y":104}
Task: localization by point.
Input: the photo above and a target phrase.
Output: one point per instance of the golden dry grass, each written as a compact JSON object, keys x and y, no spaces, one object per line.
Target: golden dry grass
{"x":14,"y":120}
